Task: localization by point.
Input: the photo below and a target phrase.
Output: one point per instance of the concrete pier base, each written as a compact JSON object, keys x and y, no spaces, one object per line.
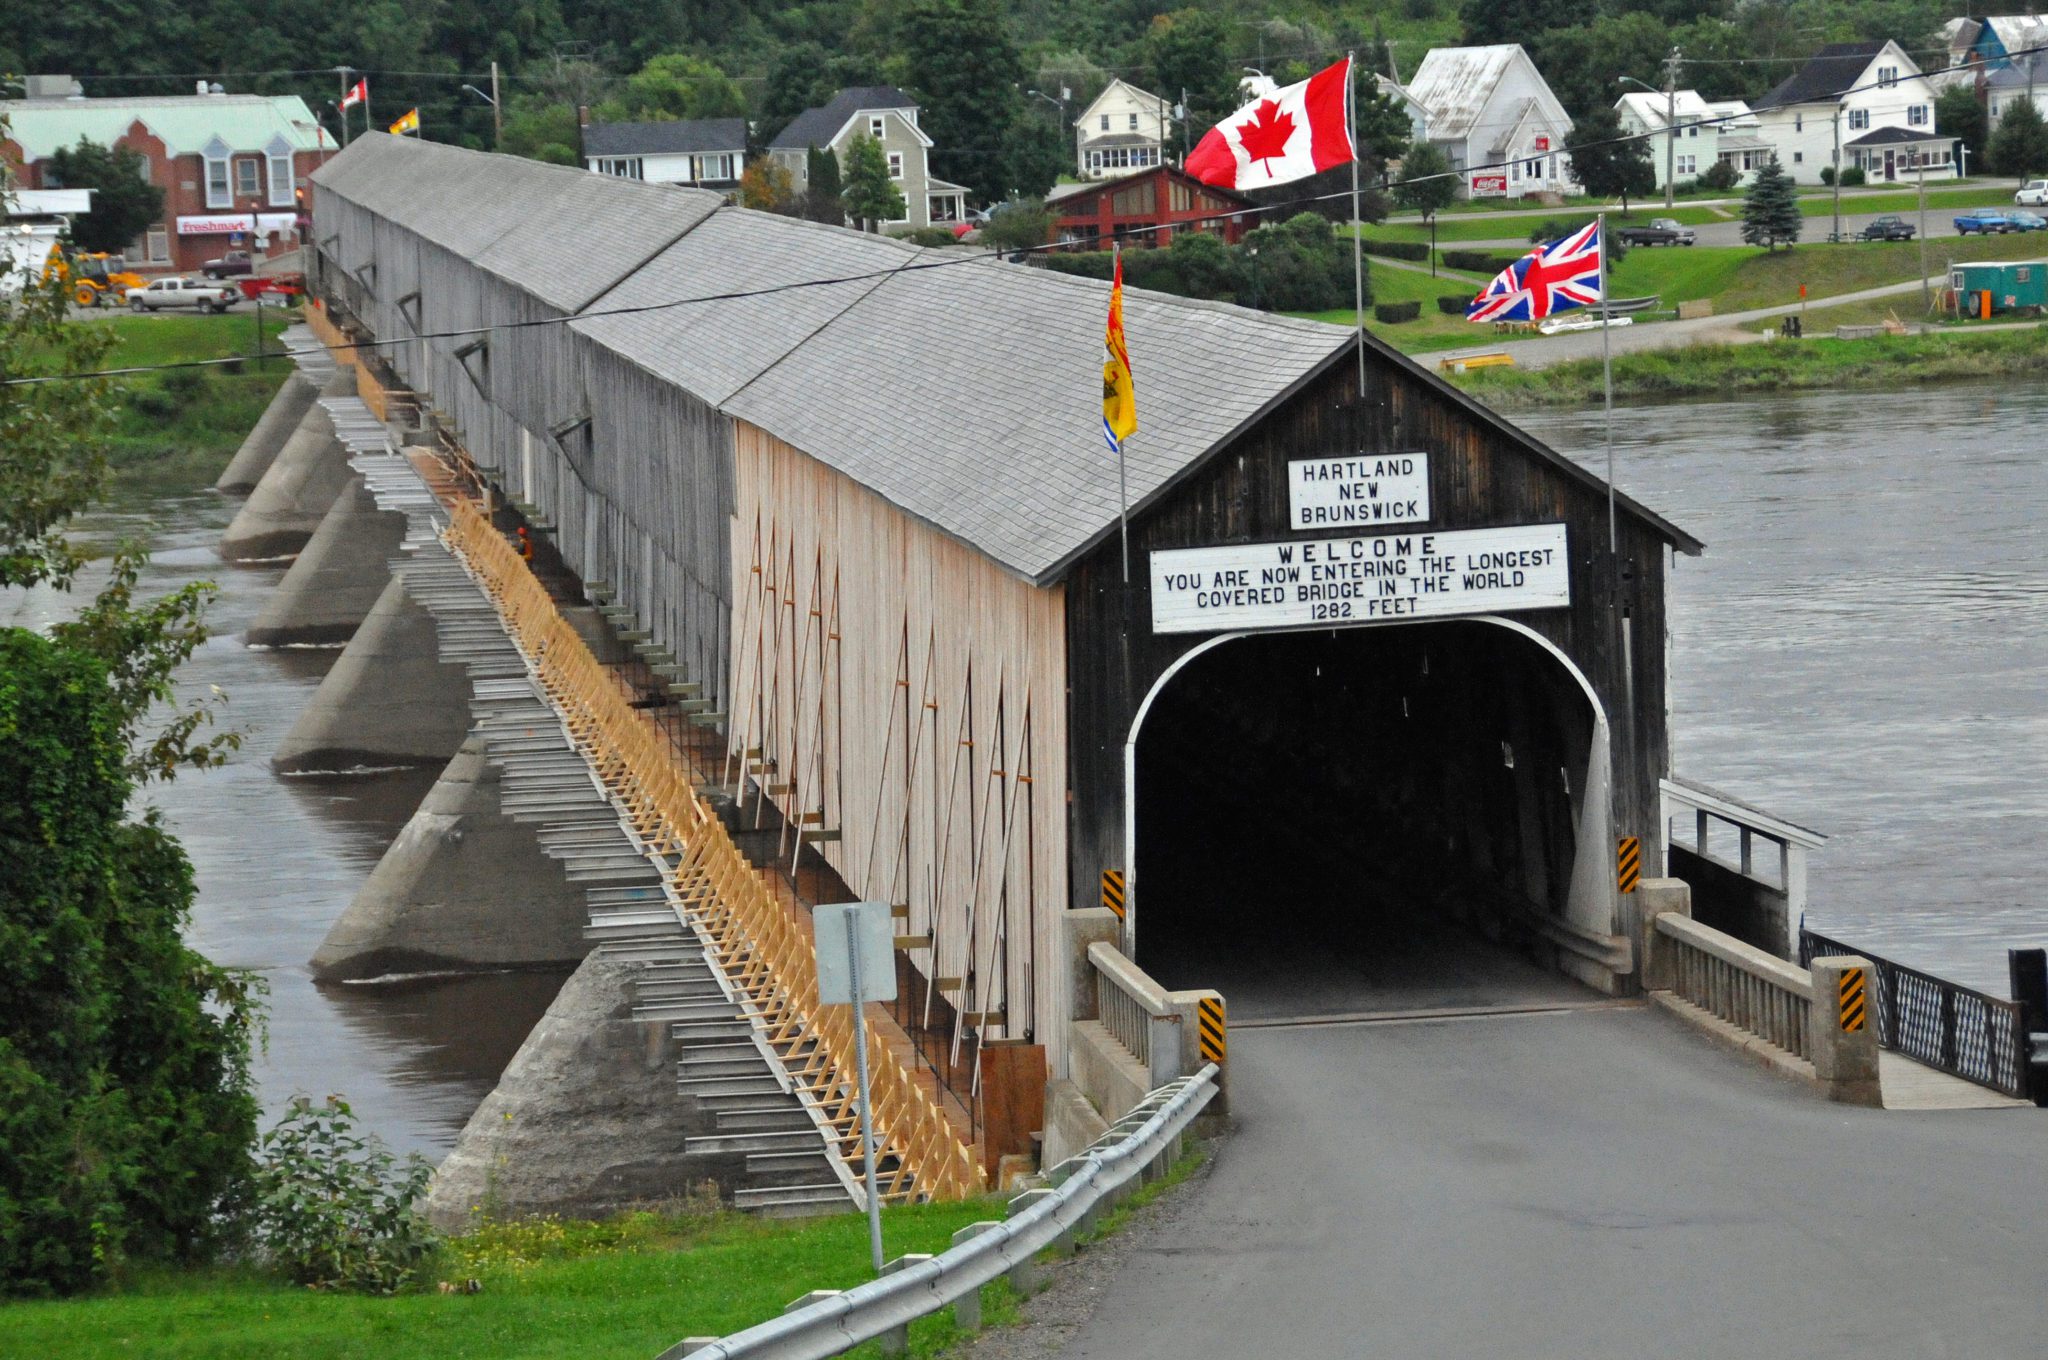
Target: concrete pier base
{"x":261,"y":445}
{"x":339,"y":574}
{"x":389,"y":701}
{"x":586,"y":1120}
{"x":288,"y":504}
{"x":462,"y":887}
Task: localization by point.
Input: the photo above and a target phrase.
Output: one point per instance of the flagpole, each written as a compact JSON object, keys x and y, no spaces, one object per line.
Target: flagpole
{"x":1123,"y":490}
{"x":1357,"y":216}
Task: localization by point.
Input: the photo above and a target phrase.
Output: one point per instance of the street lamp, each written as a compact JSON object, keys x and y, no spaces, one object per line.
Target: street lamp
{"x":1670,"y":93}
{"x":497,"y":117}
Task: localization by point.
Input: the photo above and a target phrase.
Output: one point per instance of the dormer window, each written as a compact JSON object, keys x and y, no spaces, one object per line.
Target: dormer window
{"x":277,"y":160}
{"x":877,"y":125}
{"x":220,"y":191}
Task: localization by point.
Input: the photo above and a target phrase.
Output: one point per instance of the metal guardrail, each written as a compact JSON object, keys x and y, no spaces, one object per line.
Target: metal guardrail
{"x":1741,"y":984}
{"x":1968,"y":1034}
{"x":839,"y":1321}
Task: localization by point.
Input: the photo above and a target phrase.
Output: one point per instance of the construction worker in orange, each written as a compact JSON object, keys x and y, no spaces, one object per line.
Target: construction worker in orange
{"x":525,"y":544}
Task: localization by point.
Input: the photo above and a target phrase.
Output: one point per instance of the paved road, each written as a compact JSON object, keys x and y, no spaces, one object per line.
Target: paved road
{"x":1577,"y":1184}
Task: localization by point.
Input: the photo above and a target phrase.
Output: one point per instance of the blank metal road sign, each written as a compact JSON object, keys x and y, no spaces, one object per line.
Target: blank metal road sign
{"x":1628,"y":863}
{"x":1113,"y":891}
{"x":1854,"y":1013}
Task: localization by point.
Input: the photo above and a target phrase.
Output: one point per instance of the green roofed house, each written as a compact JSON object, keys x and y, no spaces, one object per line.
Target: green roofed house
{"x":231,"y":165}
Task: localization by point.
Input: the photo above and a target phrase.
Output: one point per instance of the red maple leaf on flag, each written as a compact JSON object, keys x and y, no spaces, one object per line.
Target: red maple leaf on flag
{"x":1267,"y":134}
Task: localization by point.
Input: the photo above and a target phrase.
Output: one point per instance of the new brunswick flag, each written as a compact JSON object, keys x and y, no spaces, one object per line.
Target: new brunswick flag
{"x":409,"y":121}
{"x":1119,"y":403}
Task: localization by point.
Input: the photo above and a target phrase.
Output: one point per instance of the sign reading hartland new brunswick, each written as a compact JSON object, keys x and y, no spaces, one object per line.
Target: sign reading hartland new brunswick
{"x":1360,"y":492}
{"x":1381,"y":577}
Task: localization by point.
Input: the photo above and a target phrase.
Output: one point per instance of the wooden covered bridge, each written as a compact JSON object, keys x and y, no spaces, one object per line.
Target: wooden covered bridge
{"x":1373,"y":666}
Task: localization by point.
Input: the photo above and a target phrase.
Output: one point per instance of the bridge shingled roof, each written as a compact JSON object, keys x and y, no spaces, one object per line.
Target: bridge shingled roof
{"x":963,"y":389}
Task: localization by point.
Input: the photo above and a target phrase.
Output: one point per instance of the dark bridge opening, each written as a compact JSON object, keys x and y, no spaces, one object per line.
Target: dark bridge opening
{"x":1362,"y":820}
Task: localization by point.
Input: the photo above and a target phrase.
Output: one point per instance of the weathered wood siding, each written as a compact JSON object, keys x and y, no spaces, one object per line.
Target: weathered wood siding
{"x":1481,"y":475}
{"x":911,"y":695}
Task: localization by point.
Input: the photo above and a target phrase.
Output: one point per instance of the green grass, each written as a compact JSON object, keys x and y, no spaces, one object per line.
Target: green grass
{"x":1741,"y":277}
{"x":1906,"y":201}
{"x":1431,"y":330}
{"x":178,"y":429}
{"x":1723,"y":370}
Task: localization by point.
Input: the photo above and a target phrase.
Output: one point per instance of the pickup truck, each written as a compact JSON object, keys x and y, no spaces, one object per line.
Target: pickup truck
{"x":1887,"y":229}
{"x":1662,"y":231}
{"x":1982,"y":222}
{"x":232,"y":263}
{"x":164,"y":293}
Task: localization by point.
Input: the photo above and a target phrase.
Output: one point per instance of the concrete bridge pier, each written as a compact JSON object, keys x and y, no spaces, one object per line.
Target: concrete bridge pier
{"x":463,"y":887}
{"x":262,"y":444}
{"x":389,"y":701}
{"x":309,"y":472}
{"x":336,"y":579}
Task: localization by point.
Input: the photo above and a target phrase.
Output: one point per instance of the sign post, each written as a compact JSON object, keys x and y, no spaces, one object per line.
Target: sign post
{"x":857,"y":964}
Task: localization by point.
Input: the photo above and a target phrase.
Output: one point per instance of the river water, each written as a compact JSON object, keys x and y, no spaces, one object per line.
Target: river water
{"x":1862,"y":650}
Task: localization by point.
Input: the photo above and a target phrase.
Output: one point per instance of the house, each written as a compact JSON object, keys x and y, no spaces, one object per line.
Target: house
{"x":1832,"y":110}
{"x":1708,"y":131}
{"x":1146,"y":209}
{"x":889,"y":116}
{"x":1991,"y":41}
{"x":230,"y":165}
{"x":1418,"y":117}
{"x":1492,"y":114}
{"x":2002,"y":87}
{"x":1123,"y":129}
{"x":708,"y":153}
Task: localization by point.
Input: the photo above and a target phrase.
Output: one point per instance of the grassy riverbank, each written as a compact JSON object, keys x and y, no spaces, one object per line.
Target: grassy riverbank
{"x":1781,"y":366}
{"x":180,"y":427}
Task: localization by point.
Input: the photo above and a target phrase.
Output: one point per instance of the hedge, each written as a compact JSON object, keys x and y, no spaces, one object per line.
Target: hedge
{"x":1453,"y":304}
{"x":1391,"y":312}
{"x":1478,"y":261}
{"x":1397,"y":250}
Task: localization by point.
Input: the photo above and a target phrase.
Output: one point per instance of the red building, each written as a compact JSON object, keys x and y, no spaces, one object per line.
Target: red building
{"x":230,"y":165}
{"x":1145,"y":209}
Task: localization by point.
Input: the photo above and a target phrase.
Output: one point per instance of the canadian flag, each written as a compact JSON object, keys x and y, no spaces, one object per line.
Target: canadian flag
{"x":1288,"y":135}
{"x":359,"y":93}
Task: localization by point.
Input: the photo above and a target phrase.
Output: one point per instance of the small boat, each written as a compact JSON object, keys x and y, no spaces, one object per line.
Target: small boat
{"x":1559,"y":325}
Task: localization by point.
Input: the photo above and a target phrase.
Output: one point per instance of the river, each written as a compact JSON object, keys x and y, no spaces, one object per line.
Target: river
{"x":1863,"y":650}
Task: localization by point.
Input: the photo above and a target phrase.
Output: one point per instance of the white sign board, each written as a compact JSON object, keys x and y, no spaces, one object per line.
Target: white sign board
{"x":873,"y":933}
{"x":1359,"y":493}
{"x":1359,"y":580}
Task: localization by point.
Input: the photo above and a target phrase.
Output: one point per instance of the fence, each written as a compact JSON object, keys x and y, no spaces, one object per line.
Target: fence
{"x":1969,"y":1034}
{"x":1739,"y":983}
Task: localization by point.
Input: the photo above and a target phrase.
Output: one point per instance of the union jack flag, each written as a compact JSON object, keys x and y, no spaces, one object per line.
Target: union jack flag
{"x":1553,"y":278}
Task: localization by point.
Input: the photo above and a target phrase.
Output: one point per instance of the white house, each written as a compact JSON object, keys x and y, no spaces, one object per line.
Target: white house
{"x":710,"y":153}
{"x":1708,"y":131}
{"x":1866,"y":98}
{"x":889,"y":116}
{"x":1123,"y":129}
{"x":1491,"y":112}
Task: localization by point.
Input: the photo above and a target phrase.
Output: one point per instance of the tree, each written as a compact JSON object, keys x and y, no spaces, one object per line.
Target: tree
{"x":540,"y":130}
{"x":1957,"y":113}
{"x":1297,"y":266}
{"x":1770,"y":210}
{"x":124,"y":203}
{"x":769,"y":187}
{"x":1381,"y":121}
{"x":872,"y":198}
{"x":1018,"y":224}
{"x":2020,"y":145}
{"x":1189,"y":49}
{"x":1488,"y":22}
{"x":1582,"y":58}
{"x":958,"y":59}
{"x":676,"y":85}
{"x":1607,"y":165}
{"x":824,"y":199}
{"x":1427,"y":183}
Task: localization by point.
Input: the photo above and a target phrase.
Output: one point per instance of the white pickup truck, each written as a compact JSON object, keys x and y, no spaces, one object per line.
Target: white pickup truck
{"x":182,"y":293}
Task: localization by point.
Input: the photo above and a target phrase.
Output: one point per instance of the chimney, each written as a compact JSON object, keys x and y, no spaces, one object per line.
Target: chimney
{"x":51,"y":87}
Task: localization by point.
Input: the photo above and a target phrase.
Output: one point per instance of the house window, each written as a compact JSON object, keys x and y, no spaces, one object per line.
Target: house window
{"x":1799,"y":158}
{"x":247,"y":173}
{"x":943,"y":208}
{"x":1134,"y":122}
{"x":218,"y":192}
{"x":1916,"y":115}
{"x":895,"y":165}
{"x":620,"y":167}
{"x":1799,"y":122}
{"x":1105,"y":122}
{"x":1887,"y":76}
{"x":1859,"y":119}
{"x":710,"y":168}
{"x":877,"y":125}
{"x":1692,"y":129}
{"x":280,"y":179}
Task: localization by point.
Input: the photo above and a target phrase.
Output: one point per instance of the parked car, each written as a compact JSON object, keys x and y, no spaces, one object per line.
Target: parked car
{"x":2033,"y":194}
{"x":1981,"y":222}
{"x":2025,"y":221}
{"x":182,"y":293}
{"x":1887,"y":229}
{"x":1662,"y":231}
{"x":233,"y":263}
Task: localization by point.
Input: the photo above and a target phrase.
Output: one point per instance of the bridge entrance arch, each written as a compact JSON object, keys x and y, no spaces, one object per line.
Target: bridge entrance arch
{"x":1368,"y":818}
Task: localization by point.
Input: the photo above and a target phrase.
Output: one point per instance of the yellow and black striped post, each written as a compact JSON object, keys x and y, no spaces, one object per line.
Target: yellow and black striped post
{"x":1209,"y":1023}
{"x":1628,"y":863}
{"x":1113,"y":891}
{"x":1855,"y":1014}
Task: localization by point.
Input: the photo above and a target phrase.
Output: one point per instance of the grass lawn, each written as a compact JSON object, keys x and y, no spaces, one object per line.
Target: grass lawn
{"x":1741,"y":277}
{"x":179,"y":428}
{"x":1433,"y":329}
{"x":1946,"y":200}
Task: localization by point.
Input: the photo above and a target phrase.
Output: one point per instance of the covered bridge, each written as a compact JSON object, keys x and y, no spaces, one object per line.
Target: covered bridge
{"x":1373,"y":660}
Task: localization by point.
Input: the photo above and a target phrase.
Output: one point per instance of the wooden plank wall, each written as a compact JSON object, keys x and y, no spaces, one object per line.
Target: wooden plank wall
{"x":867,"y":648}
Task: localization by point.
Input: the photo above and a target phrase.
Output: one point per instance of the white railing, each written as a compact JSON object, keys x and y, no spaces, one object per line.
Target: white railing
{"x":829,"y":1322}
{"x":1691,"y":811}
{"x":1740,"y":984}
{"x":1137,"y":1012}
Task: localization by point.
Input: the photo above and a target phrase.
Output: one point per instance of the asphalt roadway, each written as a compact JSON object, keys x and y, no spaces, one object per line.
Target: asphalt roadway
{"x":1574,"y":1183}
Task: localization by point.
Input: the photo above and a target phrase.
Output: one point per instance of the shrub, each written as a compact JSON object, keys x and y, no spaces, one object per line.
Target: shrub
{"x":1852,"y":176}
{"x":1454,"y":304}
{"x":927,"y":236}
{"x":1478,"y":261}
{"x":1299,"y":266}
{"x":1720,"y":175}
{"x":1397,"y":250}
{"x":1827,"y":174}
{"x":334,"y":1210}
{"x":1394,"y":312}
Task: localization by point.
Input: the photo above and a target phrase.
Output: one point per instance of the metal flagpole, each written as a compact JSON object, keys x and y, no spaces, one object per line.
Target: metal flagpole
{"x":1123,"y":490}
{"x":1357,"y":217}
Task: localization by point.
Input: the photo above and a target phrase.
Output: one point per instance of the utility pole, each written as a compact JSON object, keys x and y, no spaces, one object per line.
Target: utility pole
{"x":341,"y":74}
{"x":1926,"y":299}
{"x":497,"y":114}
{"x":1837,"y":236}
{"x":1670,"y":126}
{"x":1184,"y":117}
